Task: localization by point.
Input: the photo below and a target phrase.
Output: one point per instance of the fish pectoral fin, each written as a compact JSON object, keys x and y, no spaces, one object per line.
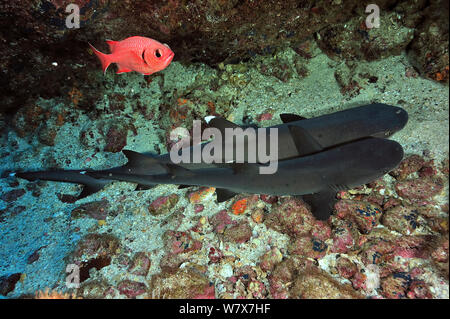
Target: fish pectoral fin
{"x":304,"y":142}
{"x":140,"y":187}
{"x":89,"y":189}
{"x":224,"y":194}
{"x":140,"y":163}
{"x":288,"y":118}
{"x":121,"y":69}
{"x":322,"y":203}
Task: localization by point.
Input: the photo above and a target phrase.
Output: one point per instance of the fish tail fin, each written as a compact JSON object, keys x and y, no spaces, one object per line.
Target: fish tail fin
{"x":91,"y":185}
{"x":105,"y":59}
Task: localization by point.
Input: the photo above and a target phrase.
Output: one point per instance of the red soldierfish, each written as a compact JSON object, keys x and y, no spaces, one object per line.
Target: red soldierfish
{"x":140,"y":54}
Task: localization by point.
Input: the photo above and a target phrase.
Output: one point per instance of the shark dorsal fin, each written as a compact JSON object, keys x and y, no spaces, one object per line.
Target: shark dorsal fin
{"x":288,"y":117}
{"x":224,"y":194}
{"x":304,"y":142}
{"x":138,"y":162}
{"x":221,"y":124}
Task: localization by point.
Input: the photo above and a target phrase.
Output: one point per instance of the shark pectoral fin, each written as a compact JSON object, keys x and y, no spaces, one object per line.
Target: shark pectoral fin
{"x":140,"y":187}
{"x":321,"y":203}
{"x":224,"y":194}
{"x":288,"y":118}
{"x":304,"y":142}
{"x":89,"y":189}
{"x":140,"y":163}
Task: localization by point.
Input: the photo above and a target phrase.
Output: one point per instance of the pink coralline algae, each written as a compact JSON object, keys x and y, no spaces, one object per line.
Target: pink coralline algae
{"x":239,"y":233}
{"x":307,"y":246}
{"x":131,"y":288}
{"x":409,"y":165}
{"x":366,"y":215}
{"x":292,"y":217}
{"x":419,"y":189}
{"x":346,"y":268}
{"x":270,"y":259}
{"x":140,"y":264}
{"x":220,"y":220}
{"x":178,"y":246}
{"x":269,"y":199}
{"x":345,"y":236}
{"x":402,"y":219}
{"x":163,"y":204}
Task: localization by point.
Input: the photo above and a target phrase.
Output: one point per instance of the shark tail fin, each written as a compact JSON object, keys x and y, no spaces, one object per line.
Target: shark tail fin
{"x":90,"y":185}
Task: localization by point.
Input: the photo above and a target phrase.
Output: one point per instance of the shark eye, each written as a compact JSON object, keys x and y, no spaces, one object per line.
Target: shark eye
{"x":158,"y":53}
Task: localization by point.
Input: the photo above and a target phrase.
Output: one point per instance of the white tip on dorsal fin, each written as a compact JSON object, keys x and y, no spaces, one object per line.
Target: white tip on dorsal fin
{"x":209,"y":118}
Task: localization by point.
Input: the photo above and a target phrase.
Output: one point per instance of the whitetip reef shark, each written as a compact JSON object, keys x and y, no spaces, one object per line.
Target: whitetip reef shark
{"x":317,"y":158}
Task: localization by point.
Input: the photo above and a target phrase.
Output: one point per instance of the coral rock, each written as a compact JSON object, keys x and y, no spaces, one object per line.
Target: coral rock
{"x":419,"y":189}
{"x":184,"y":284}
{"x":239,"y":233}
{"x":97,"y":210}
{"x":140,"y":264}
{"x":291,"y":216}
{"x":131,"y":288}
{"x":163,"y":205}
{"x":316,"y":284}
{"x":366,"y":215}
{"x":402,"y":219}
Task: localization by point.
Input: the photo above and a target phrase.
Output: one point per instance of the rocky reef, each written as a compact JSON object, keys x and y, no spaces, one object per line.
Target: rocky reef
{"x":248,"y":61}
{"x":35,"y":36}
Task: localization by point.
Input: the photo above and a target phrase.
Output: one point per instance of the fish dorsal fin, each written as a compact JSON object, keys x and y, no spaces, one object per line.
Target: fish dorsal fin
{"x":183,"y":186}
{"x":304,"y":142}
{"x":112,"y":45}
{"x":140,"y":163}
{"x":288,"y":117}
{"x":224,"y":194}
{"x":221,"y":124}
{"x":322,"y":203}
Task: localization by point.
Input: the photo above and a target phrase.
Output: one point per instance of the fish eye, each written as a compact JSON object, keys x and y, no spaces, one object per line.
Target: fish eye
{"x":158,"y":53}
